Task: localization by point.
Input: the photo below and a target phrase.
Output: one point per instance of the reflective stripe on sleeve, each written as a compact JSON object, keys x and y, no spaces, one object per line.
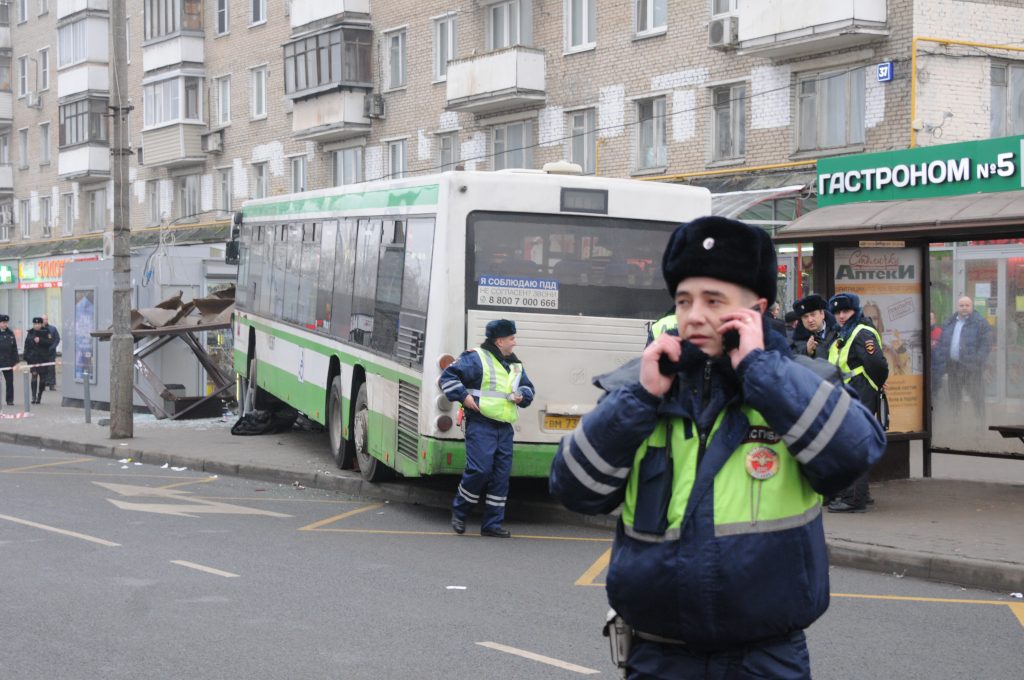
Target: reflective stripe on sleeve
{"x":806,"y":418}
{"x":769,"y":526}
{"x":826,"y":433}
{"x":670,"y":535}
{"x":592,"y":456}
{"x":581,"y":475}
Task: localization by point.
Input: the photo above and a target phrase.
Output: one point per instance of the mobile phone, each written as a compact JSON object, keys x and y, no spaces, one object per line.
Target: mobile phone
{"x":730,"y":340}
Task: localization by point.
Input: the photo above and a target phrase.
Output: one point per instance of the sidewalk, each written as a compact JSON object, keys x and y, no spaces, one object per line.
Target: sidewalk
{"x":961,"y":532}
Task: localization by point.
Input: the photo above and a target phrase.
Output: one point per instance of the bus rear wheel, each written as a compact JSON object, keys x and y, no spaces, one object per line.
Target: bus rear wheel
{"x":341,"y":449}
{"x":370,"y":468}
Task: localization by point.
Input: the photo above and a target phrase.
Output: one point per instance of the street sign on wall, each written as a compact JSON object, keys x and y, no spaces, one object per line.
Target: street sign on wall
{"x":984,"y":166}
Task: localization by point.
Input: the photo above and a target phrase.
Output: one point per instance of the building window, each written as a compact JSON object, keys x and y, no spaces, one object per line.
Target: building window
{"x":395,"y":43}
{"x":23,"y":148}
{"x":46,"y":216}
{"x":505,"y":24}
{"x":44,"y":7}
{"x":580,"y":24}
{"x":298,"y":164}
{"x":22,"y":11}
{"x":83,"y":121}
{"x":1007,"y":109}
{"x":723,"y":7}
{"x":583,"y":139}
{"x":831,"y":110}
{"x":224,"y":180}
{"x":187,"y":190}
{"x":5,"y":17}
{"x":513,"y":145}
{"x":5,"y":73}
{"x":651,"y":134}
{"x":71,"y":45}
{"x":5,"y":149}
{"x":396,"y":159}
{"x":223,"y":16}
{"x":173,"y":100}
{"x":166,"y":17}
{"x":22,"y":76}
{"x":651,"y":15}
{"x":153,"y":216}
{"x":44,"y":144}
{"x":447,"y":151}
{"x":44,"y":69}
{"x":259,"y":92}
{"x":728,"y":121}
{"x":347,"y":166}
{"x":261,"y":189}
{"x":97,"y":210}
{"x":67,"y":211}
{"x":444,"y":45}
{"x":338,"y":57}
{"x":223,"y":86}
{"x":24,"y":218}
{"x":259,"y":11}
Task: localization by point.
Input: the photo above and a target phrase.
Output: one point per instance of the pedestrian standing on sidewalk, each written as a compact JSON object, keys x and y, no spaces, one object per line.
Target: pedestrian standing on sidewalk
{"x":717,"y":452}
{"x":37,"y":351}
{"x":8,"y":357}
{"x":857,"y":352}
{"x":51,"y":373}
{"x":492,"y":386}
{"x":962,"y":352}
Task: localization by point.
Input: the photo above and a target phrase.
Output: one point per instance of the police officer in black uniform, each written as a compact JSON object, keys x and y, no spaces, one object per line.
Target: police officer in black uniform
{"x":8,"y":357}
{"x":819,"y":327}
{"x":37,"y":351}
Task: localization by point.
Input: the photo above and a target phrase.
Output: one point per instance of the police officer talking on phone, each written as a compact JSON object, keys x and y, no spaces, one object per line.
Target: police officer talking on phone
{"x":718,"y":454}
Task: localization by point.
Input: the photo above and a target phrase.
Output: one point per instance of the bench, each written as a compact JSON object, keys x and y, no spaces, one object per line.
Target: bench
{"x":1008,"y":431}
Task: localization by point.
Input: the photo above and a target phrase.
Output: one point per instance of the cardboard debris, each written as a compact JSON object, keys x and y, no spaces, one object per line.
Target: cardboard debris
{"x":215,"y":309}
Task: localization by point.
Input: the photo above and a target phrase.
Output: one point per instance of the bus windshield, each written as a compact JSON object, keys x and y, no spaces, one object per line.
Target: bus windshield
{"x":566,"y":264}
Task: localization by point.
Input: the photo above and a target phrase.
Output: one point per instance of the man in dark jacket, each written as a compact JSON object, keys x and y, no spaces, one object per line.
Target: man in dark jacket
{"x":718,"y":455}
{"x":820,"y":327}
{"x":37,"y":351}
{"x":961,"y":353}
{"x":8,"y":357}
{"x":51,"y":373}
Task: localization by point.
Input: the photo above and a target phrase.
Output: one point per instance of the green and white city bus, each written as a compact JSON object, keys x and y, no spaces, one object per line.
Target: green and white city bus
{"x":352,"y":300}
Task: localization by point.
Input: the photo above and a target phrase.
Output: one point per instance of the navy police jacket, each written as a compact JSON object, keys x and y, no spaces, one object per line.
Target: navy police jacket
{"x":719,"y":592}
{"x":466,"y":373}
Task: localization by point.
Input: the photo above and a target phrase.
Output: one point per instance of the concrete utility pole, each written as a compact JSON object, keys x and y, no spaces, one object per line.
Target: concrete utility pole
{"x":122,"y":345}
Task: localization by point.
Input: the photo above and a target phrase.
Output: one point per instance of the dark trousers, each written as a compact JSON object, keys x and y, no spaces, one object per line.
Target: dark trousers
{"x":38,"y":384}
{"x":783,"y":659}
{"x":8,"y":378}
{"x":488,"y":466}
{"x":963,"y":379}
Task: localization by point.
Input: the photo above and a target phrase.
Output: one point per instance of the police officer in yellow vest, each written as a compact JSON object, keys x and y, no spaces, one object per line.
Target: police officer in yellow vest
{"x":857,"y":352}
{"x":492,"y":386}
{"x":717,"y":451}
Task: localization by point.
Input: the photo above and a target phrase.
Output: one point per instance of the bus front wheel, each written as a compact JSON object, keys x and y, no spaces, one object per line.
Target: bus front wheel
{"x":370,"y":468}
{"x":341,"y":449}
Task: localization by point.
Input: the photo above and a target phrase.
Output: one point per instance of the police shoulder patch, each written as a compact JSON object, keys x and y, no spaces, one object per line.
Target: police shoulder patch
{"x":869,"y":345}
{"x":761,"y":435}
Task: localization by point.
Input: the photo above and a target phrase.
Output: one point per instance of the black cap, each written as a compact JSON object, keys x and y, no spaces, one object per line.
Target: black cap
{"x":844,"y":301}
{"x":37,"y":319}
{"x":723,"y":249}
{"x":792,"y":316}
{"x":500,"y":328}
{"x":4,"y":317}
{"x":811,"y":303}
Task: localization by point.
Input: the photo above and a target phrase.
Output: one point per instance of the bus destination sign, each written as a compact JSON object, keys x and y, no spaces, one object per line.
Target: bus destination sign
{"x":505,"y":291}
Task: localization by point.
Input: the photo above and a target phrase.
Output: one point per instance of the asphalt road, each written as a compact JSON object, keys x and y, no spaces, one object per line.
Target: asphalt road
{"x":174,"y":574}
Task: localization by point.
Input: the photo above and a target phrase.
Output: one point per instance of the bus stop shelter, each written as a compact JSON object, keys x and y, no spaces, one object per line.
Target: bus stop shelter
{"x":911,"y":232}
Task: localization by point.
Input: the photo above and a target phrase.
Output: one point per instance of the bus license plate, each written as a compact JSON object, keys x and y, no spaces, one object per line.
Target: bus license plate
{"x":561,"y":422}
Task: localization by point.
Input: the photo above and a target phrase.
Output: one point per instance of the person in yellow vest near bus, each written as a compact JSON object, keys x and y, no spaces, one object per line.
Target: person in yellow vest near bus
{"x":717,"y":450}
{"x":857,"y":352}
{"x":492,"y":386}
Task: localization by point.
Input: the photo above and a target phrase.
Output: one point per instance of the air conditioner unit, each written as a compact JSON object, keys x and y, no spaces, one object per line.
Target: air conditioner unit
{"x":723,"y":32}
{"x":213,"y":142}
{"x":373,"y":106}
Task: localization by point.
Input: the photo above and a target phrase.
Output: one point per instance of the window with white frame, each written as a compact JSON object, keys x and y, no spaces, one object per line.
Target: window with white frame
{"x":831,"y":109}
{"x":22,"y":11}
{"x":651,"y":151}
{"x":723,"y":7}
{"x":225,"y":187}
{"x":1007,"y":99}
{"x":444,"y":45}
{"x":44,"y":69}
{"x":261,"y":180}
{"x":24,"y":218}
{"x":298,"y":167}
{"x":651,"y":15}
{"x":508,"y":24}
{"x":5,"y":73}
{"x":347,"y":166}
{"x":23,"y":148}
{"x":223,"y":88}
{"x":583,"y":139}
{"x":44,"y":143}
{"x":394,"y":43}
{"x":71,"y":44}
{"x":580,"y":24}
{"x":396,"y":159}
{"x":46,"y":215}
{"x":337,"y":57}
{"x":259,"y":11}
{"x":5,"y":149}
{"x":173,"y":100}
{"x":153,"y":215}
{"x":22,"y":76}
{"x":728,"y":122}
{"x":83,"y":121}
{"x":187,"y":195}
{"x":513,"y":144}
{"x":97,"y":200}
{"x":258,"y":100}
{"x":447,"y":151}
{"x":223,"y":16}
{"x":44,"y":6}
{"x":5,"y":18}
{"x":67,"y":213}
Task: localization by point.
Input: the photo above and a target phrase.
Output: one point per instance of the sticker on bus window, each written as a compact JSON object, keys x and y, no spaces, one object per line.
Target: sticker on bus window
{"x":505,"y":291}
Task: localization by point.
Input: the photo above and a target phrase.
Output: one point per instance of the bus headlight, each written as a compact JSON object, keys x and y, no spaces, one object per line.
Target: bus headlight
{"x":444,"y":423}
{"x":443,"y":404}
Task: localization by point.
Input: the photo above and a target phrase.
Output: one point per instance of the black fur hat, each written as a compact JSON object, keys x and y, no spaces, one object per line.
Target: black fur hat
{"x":37,"y":319}
{"x":500,"y":328}
{"x":844,"y":301}
{"x":722,"y":249}
{"x":4,"y":317}
{"x":811,"y":303}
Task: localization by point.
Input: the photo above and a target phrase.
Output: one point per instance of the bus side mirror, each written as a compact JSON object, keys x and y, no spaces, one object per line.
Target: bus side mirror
{"x":231,"y":252}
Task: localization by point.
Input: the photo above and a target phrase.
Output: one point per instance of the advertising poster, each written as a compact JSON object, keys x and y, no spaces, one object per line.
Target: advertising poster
{"x":888,"y":281}
{"x":85,"y":344}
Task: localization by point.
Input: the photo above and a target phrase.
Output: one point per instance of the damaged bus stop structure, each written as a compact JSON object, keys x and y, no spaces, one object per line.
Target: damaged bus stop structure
{"x":912,"y":232}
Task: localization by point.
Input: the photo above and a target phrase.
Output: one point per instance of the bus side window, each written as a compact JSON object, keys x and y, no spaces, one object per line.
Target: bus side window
{"x":412,"y":320}
{"x":309,"y":269}
{"x":364,"y":288}
{"x":325,"y":277}
{"x":344,"y":270}
{"x":292,"y":274}
{"x":388,"y":296}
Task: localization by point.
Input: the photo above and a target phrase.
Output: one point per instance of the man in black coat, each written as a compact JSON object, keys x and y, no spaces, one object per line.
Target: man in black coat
{"x":51,"y":375}
{"x":962,"y":353}
{"x":8,"y":357}
{"x":819,"y":327}
{"x":37,"y":351}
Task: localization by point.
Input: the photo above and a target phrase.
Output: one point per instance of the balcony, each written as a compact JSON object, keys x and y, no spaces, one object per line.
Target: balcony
{"x":6,"y":178}
{"x":83,"y":78}
{"x":505,"y":79}
{"x":6,"y":108}
{"x":305,"y":12}
{"x":84,"y":163}
{"x":173,"y":145}
{"x":784,"y":29}
{"x":179,"y":49}
{"x":68,"y":7}
{"x":330,"y":117}
{"x":5,"y":37}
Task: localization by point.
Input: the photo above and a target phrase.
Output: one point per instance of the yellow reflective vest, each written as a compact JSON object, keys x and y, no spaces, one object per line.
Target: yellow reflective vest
{"x":497,"y":387}
{"x":840,"y":356}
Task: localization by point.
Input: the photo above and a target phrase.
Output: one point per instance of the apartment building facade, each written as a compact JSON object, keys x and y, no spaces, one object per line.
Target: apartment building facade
{"x":236,"y":99}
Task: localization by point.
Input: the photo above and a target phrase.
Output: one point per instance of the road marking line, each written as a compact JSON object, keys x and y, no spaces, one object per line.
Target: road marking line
{"x":587,"y":579}
{"x":1018,"y":611}
{"x":205,"y":480}
{"x":337,"y":518}
{"x":208,"y":570}
{"x":452,"y":535}
{"x":583,"y":670}
{"x":63,"y":532}
{"x":1015,"y":607}
{"x":43,"y":465}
